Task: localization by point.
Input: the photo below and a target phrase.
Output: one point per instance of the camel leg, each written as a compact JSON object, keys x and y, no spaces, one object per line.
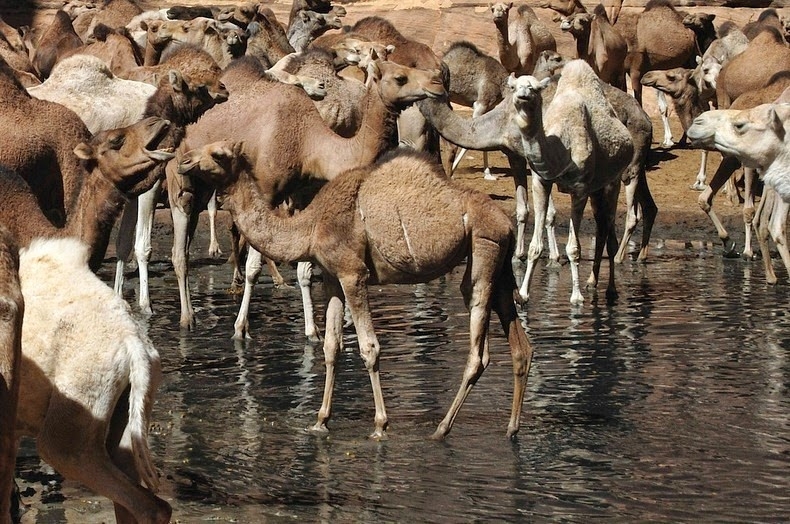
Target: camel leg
{"x":540,"y":201}
{"x":762,"y":224}
{"x":252,"y":270}
{"x":124,"y":242}
{"x":146,"y":206}
{"x":304,"y":274}
{"x":647,"y":211}
{"x":477,"y":110}
{"x":184,"y":224}
{"x":459,"y":155}
{"x":723,"y":173}
{"x":213,"y":247}
{"x":356,"y":291}
{"x":778,"y":229}
{"x":520,"y":347}
{"x":518,"y":168}
{"x":663,"y":108}
{"x":481,"y":267}
{"x":699,"y":182}
{"x":604,"y":204}
{"x":631,"y":219}
{"x":750,"y":185}
{"x":333,"y":342}
{"x":71,"y":442}
{"x":573,"y":248}
{"x":551,"y":235}
{"x":277,"y":277}
{"x":236,"y":248}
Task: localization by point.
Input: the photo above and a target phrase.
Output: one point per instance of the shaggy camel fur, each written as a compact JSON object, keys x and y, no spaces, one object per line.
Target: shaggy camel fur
{"x":284,"y":153}
{"x":85,"y":84}
{"x":477,"y":81}
{"x":499,"y":129}
{"x":599,"y":44}
{"x":41,"y":137}
{"x":766,"y":55}
{"x":425,"y":225}
{"x":120,"y":166}
{"x":267,"y":41}
{"x":679,"y":84}
{"x":87,"y":382}
{"x":521,"y":37}
{"x":12,"y":309}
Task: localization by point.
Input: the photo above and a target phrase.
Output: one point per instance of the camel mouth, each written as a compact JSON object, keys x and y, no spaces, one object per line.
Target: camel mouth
{"x":160,"y":130}
{"x":186,"y":165}
{"x":565,"y":25}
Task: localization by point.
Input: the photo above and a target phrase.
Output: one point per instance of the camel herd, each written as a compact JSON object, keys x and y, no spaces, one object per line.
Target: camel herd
{"x":324,"y":141}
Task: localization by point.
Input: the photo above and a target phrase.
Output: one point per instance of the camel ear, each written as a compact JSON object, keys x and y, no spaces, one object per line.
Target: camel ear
{"x":511,"y":81}
{"x":176,"y":80}
{"x":304,"y":16}
{"x":238,"y":147}
{"x":143,"y":25}
{"x":708,"y":17}
{"x":390,"y":49}
{"x":776,"y":122}
{"x":83,"y":151}
{"x":699,"y":60}
{"x":374,"y":70}
{"x":510,"y":5}
{"x":543,"y":83}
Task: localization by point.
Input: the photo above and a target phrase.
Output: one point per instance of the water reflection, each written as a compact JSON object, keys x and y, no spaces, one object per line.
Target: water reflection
{"x":667,"y":404}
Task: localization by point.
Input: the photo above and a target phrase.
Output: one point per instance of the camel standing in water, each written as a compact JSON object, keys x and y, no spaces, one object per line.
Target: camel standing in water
{"x":399,"y":221}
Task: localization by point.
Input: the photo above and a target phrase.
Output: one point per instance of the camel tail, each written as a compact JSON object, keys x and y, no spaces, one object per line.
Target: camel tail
{"x":144,"y":374}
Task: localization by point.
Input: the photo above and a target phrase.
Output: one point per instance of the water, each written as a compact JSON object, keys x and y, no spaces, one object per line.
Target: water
{"x":669,"y":404}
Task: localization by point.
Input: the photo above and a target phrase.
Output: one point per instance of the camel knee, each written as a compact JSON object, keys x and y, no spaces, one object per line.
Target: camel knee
{"x":369,"y":351}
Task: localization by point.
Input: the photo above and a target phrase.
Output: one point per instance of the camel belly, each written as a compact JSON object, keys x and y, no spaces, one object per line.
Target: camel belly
{"x":412,"y":238}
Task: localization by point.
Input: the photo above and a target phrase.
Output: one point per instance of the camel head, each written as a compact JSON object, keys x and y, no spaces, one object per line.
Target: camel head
{"x":526,"y":97}
{"x":549,"y":64}
{"x":577,"y":24}
{"x":400,"y":86}
{"x":161,"y":32}
{"x":755,"y":136}
{"x":707,"y":73}
{"x":194,"y":97}
{"x":671,"y":81}
{"x":563,"y":7}
{"x":499,"y":11}
{"x":126,"y":156}
{"x":218,"y":163}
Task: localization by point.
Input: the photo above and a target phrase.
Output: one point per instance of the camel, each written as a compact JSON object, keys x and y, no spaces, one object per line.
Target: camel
{"x":704,"y":30}
{"x":477,"y":81}
{"x":521,"y":37}
{"x":281,"y":157}
{"x":12,"y":309}
{"x":112,"y":13}
{"x":359,"y":240}
{"x":58,"y":39}
{"x":599,"y":44}
{"x":766,"y":55}
{"x":87,"y":380}
{"x":115,"y":47}
{"x":267,"y":39}
{"x":120,"y":166}
{"x":223,"y":42}
{"x":679,"y":84}
{"x":768,"y":18}
{"x":730,"y":42}
{"x":309,"y":25}
{"x":318,"y":6}
{"x":499,"y":129}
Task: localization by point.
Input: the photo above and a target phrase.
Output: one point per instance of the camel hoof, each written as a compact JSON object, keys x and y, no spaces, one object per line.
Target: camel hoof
{"x":553,"y":264}
{"x":282,"y":285}
{"x":748,"y":255}
{"x":577,"y":300}
{"x":241,"y":335}
{"x":187,"y":325}
{"x":319,"y":428}
{"x":378,"y":435}
{"x":439,"y":435}
{"x":612,"y":294}
{"x":146,"y":311}
{"x":215,"y":252}
{"x":489,"y":176}
{"x":696,"y":186}
{"x":511,"y":433}
{"x":667,"y":143}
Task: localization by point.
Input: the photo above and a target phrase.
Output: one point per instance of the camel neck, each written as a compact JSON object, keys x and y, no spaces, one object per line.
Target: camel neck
{"x":281,"y":238}
{"x":93,"y":215}
{"x":546,"y":162}
{"x":153,"y":53}
{"x":583,"y":45}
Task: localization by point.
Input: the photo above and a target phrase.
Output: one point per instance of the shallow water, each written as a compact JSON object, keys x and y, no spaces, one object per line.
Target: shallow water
{"x":669,"y":404}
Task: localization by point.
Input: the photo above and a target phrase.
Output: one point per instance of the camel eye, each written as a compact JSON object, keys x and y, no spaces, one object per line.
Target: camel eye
{"x":739,"y":127}
{"x":116,"y":142}
{"x":401,"y":80}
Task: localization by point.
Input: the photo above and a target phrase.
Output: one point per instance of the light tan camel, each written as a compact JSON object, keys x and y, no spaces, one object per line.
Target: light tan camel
{"x":521,"y":37}
{"x":87,"y":380}
{"x":768,"y":18}
{"x":730,"y":42}
{"x":424,"y":226}
{"x":477,"y":81}
{"x":112,"y":13}
{"x":599,"y":44}
{"x":116,"y":48}
{"x":285,"y":152}
{"x":268,"y":41}
{"x":499,"y":129}
{"x":309,"y":25}
{"x":120,"y":165}
{"x":11,"y":311}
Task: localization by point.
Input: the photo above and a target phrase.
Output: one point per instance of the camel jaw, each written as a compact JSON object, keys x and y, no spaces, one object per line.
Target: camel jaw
{"x":159,"y":130}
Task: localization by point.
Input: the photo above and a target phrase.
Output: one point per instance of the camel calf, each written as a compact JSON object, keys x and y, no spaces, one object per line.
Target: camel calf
{"x":87,"y":382}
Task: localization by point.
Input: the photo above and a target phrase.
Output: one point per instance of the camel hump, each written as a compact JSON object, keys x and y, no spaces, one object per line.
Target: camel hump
{"x":414,"y":219}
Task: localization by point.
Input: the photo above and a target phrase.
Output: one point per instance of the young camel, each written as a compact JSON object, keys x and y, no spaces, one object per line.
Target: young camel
{"x":599,"y":44}
{"x":521,"y":37}
{"x":285,"y":152}
{"x":399,"y":221}
{"x":12,"y":309}
{"x":87,"y":380}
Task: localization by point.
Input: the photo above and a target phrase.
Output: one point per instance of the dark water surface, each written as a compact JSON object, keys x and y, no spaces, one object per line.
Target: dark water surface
{"x":670,"y":404}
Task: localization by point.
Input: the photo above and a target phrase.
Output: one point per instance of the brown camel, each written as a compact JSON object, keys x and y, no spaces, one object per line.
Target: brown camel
{"x":425,"y":225}
{"x":766,"y":55}
{"x":704,"y":30}
{"x":112,"y":13}
{"x":599,"y":44}
{"x":120,"y":166}
{"x":115,"y":48}
{"x":768,"y":18}
{"x":11,"y":311}
{"x":58,"y":39}
{"x":477,"y":81}
{"x":39,"y":140}
{"x":521,"y":37}
{"x":730,"y":42}
{"x":285,"y":152}
{"x":318,"y":6}
{"x":267,"y":41}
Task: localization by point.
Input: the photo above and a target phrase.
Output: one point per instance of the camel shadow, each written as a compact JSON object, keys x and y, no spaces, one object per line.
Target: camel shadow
{"x":657,"y":156}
